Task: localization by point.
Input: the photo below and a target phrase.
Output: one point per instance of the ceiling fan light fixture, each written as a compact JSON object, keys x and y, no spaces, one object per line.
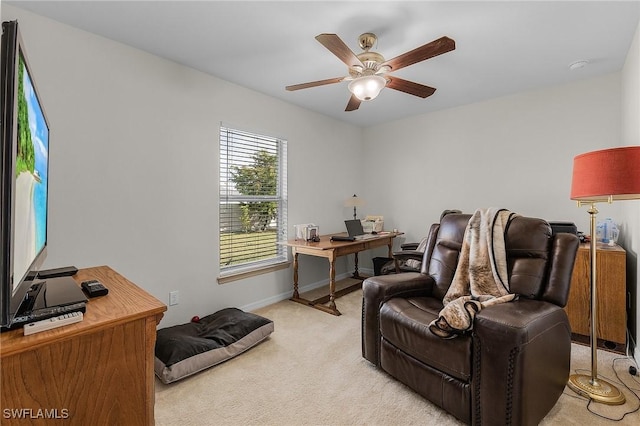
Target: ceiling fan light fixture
{"x":367,"y":87}
{"x":368,"y":72}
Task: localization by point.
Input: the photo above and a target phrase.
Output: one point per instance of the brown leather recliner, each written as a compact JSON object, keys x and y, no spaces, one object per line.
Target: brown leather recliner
{"x":514,"y":364}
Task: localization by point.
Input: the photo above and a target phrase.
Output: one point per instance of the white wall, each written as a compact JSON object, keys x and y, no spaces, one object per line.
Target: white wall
{"x":514,"y":152}
{"x":134,"y":166}
{"x":631,"y":222}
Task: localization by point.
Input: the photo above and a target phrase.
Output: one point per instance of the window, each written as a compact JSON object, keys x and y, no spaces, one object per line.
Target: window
{"x":253,"y":202}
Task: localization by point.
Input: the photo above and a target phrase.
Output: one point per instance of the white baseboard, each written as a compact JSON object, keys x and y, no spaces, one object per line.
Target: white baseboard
{"x":287,"y":295}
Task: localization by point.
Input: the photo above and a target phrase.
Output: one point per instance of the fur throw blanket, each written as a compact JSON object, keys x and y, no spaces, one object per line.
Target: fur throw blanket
{"x":481,"y":277}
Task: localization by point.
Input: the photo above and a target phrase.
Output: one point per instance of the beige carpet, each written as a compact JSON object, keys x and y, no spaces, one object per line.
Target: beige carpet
{"x":311,"y":372}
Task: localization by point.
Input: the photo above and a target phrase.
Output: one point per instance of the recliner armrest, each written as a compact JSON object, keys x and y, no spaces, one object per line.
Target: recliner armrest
{"x":519,"y":348}
{"x":377,"y":290}
{"x":408,"y":254}
{"x":409,"y":246}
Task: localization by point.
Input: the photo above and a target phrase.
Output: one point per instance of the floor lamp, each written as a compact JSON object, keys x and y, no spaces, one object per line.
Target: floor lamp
{"x":602,"y":176}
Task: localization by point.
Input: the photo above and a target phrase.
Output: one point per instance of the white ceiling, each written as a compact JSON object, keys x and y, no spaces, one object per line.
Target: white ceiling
{"x":501,"y":47}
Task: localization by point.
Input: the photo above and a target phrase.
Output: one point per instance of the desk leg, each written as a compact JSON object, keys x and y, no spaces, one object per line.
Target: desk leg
{"x":317,"y":303}
{"x":296,"y":295}
{"x":332,"y":284}
{"x":356,"y":273}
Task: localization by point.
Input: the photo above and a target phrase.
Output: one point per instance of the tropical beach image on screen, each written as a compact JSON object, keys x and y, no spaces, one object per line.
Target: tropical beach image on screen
{"x":31,"y":177}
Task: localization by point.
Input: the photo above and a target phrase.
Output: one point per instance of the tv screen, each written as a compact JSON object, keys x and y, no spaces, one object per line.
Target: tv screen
{"x":24,"y":175}
{"x":31,"y":176}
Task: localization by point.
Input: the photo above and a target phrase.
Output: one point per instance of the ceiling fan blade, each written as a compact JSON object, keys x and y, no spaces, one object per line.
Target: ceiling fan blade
{"x":338,"y":48}
{"x":353,"y":104}
{"x":410,"y":87}
{"x":314,"y":83}
{"x":429,"y":50}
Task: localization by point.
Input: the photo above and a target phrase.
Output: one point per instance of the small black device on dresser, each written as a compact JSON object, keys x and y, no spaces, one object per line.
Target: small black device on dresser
{"x":94,"y":288}
{"x":65,"y":271}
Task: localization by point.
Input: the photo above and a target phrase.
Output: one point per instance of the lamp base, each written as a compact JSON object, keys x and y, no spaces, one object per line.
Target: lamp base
{"x":600,"y":391}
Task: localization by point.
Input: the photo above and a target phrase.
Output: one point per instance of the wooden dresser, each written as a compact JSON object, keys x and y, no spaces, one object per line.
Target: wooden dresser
{"x":95,"y":372}
{"x":611,"y":297}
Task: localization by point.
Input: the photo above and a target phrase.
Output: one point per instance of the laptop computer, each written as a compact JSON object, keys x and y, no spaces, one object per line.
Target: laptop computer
{"x":355,"y":230}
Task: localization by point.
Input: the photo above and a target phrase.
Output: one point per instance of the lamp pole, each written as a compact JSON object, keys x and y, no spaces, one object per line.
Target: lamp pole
{"x":593,"y":338}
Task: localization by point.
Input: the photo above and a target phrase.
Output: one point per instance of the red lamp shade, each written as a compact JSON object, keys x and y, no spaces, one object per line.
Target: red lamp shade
{"x":607,"y":174}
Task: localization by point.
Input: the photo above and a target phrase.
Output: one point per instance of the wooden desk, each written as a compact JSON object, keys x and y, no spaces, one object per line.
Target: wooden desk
{"x":332,"y":250}
{"x":95,"y":372}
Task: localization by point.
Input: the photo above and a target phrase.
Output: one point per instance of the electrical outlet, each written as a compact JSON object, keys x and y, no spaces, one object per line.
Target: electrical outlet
{"x":173,"y":298}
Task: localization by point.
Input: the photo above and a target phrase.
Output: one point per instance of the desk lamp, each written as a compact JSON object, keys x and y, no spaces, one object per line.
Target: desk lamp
{"x":354,"y":202}
{"x":602,"y":176}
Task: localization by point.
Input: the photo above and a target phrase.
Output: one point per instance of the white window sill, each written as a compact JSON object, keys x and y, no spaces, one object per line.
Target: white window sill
{"x":236,"y":276}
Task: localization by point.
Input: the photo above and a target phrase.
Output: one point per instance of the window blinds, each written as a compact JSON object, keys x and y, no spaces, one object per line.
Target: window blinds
{"x":252,"y":200}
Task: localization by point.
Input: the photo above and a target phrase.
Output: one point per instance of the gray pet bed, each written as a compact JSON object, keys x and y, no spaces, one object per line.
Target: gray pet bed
{"x":186,"y":349}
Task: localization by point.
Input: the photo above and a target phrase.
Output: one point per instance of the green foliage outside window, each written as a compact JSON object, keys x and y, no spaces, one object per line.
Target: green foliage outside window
{"x":257,"y":179}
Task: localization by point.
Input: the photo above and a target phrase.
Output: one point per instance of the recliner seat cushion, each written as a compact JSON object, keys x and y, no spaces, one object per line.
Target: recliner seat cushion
{"x":405,"y":324}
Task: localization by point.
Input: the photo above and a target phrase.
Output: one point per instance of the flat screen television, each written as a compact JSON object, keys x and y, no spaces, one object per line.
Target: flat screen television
{"x":24,"y":188}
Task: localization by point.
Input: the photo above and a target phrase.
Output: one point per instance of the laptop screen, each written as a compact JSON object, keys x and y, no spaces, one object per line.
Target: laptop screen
{"x":354,"y":227}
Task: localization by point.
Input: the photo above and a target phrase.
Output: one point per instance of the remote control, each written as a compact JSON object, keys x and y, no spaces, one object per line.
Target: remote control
{"x":94,"y":288}
{"x":48,"y":324}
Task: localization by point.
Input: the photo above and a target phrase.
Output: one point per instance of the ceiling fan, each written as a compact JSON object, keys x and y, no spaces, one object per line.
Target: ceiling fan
{"x":369,"y":72}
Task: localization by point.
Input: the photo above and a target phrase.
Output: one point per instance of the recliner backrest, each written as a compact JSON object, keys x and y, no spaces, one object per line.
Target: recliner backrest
{"x":527,"y":243}
{"x":440,"y":262}
{"x":531,"y":251}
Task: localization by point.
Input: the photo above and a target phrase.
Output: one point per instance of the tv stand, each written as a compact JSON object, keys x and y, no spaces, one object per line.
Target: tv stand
{"x":98,"y":371}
